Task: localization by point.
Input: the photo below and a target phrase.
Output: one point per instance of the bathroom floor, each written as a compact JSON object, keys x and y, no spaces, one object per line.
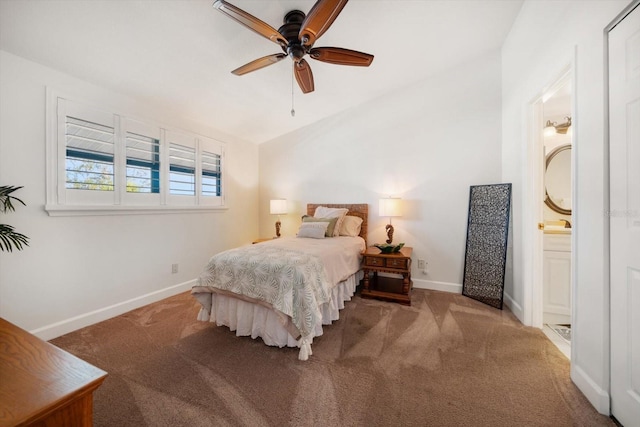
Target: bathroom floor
{"x":560,"y":335}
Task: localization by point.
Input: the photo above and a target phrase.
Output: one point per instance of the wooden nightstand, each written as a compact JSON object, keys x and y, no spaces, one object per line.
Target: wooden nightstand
{"x":387,"y":288}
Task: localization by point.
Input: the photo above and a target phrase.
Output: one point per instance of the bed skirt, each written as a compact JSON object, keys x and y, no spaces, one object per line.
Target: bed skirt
{"x":255,"y":319}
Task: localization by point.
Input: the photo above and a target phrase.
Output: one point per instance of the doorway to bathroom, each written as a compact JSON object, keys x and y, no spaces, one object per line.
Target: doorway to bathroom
{"x":557,"y":214}
{"x":552,"y":154}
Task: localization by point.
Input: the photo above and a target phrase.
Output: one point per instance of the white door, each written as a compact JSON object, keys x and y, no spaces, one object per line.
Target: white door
{"x":624,"y":150}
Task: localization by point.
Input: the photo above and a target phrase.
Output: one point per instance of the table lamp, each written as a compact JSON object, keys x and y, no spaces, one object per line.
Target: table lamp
{"x":278,"y":207}
{"x":390,"y":207}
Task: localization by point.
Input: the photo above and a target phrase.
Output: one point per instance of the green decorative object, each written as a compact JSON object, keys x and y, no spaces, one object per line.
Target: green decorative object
{"x":9,"y":237}
{"x":386,"y":248}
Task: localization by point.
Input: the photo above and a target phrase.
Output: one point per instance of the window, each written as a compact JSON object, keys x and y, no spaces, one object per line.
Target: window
{"x":89,"y":155}
{"x":101,"y":162}
{"x":143,"y":164}
{"x":211,"y":177}
{"x":210,"y":168}
{"x":182,"y":170}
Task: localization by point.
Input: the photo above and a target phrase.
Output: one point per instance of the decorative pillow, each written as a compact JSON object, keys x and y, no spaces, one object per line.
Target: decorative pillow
{"x":325,"y":212}
{"x":314,"y":230}
{"x":330,"y":228}
{"x":351,"y":226}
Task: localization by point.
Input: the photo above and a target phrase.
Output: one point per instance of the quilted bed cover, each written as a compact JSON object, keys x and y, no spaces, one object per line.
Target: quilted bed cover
{"x":294,"y":276}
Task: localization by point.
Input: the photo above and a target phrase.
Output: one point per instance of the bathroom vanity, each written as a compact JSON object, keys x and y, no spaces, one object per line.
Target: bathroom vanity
{"x":557,"y":277}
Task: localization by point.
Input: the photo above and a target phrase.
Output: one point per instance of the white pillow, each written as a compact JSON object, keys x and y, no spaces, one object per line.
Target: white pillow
{"x":314,"y":230}
{"x":351,"y":226}
{"x":331,"y":221}
{"x":325,"y":212}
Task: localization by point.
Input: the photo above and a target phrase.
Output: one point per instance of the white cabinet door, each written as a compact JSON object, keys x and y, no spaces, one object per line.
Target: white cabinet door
{"x":624,"y":150}
{"x":557,"y":287}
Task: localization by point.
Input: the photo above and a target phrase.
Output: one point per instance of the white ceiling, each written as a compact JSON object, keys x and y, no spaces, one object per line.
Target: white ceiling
{"x":179,"y":53}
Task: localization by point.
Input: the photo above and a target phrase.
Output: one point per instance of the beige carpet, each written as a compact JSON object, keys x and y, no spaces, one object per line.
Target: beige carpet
{"x":446,"y":361}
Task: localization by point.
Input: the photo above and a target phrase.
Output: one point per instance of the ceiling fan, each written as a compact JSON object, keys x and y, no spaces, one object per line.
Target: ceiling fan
{"x":296,"y":38}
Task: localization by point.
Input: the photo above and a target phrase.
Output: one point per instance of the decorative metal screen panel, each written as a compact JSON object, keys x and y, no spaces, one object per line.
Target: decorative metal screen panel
{"x":486,"y":251}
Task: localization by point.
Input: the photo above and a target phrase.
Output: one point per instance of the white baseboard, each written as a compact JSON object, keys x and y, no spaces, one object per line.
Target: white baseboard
{"x":595,"y":394}
{"x":515,"y":308}
{"x":69,"y":325}
{"x":437,"y":286}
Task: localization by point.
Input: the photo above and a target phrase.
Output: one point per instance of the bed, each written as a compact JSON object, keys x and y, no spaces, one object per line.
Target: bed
{"x":284,"y":290}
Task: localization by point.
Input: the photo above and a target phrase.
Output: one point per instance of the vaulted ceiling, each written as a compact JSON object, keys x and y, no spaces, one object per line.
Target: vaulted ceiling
{"x":180,"y":53}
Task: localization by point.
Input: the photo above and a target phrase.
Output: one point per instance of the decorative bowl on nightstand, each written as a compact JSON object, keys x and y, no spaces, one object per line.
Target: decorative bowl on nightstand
{"x":387,"y":248}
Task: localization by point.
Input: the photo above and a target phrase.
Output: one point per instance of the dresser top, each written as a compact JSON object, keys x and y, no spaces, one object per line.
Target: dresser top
{"x":37,"y":377}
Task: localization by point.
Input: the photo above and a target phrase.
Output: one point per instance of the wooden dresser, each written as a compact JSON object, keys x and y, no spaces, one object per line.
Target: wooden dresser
{"x":42,"y":385}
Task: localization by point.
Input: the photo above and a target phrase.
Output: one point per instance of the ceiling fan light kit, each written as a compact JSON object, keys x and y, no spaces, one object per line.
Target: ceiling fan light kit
{"x":296,"y":38}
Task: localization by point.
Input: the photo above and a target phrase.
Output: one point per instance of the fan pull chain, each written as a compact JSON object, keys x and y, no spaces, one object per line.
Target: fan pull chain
{"x":293,"y":111}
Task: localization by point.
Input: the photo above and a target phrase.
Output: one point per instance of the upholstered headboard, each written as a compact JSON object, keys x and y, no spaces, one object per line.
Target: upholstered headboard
{"x":360,"y":210}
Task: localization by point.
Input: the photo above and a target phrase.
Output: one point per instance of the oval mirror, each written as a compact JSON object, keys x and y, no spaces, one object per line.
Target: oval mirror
{"x":557,"y":180}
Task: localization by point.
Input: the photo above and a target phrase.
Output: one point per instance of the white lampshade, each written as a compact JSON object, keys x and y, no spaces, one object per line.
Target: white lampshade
{"x":390,"y":207}
{"x":278,"y":206}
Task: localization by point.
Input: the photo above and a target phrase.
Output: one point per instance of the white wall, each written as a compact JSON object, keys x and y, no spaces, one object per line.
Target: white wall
{"x":545,"y":38}
{"x":427,"y":144}
{"x":79,"y":270}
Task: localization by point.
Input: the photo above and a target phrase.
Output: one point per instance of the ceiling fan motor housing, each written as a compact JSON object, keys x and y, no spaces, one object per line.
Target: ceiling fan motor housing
{"x":290,"y":30}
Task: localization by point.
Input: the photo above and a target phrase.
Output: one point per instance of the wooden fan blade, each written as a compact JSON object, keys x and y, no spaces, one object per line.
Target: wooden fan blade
{"x":304,"y":76}
{"x":251,"y":22}
{"x":319,"y":19}
{"x":337,"y":55}
{"x":259,"y":63}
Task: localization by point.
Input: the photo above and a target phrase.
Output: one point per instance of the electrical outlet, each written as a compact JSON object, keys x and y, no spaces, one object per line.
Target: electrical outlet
{"x":421,"y":264}
{"x":174,"y":268}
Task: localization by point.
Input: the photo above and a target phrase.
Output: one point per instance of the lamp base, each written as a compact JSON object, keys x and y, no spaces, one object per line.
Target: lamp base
{"x":278,"y":228}
{"x":389,"y":229}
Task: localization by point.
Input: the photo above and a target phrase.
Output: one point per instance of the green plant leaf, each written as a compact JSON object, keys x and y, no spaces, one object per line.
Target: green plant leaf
{"x":9,"y":238}
{"x":5,"y":198}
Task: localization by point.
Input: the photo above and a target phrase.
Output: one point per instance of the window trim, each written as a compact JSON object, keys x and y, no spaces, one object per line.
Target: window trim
{"x":60,"y":201}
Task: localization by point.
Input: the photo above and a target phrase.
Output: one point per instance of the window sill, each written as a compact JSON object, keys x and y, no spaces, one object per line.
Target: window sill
{"x":79,"y":210}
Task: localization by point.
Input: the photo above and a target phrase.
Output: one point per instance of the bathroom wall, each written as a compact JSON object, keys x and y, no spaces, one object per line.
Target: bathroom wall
{"x":557,"y":110}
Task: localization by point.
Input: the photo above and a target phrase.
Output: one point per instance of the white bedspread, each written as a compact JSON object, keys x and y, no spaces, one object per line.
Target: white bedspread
{"x":294,"y":276}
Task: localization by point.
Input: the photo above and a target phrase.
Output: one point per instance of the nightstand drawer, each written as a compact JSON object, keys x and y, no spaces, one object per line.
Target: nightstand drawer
{"x":397,"y":263}
{"x":377,"y":262}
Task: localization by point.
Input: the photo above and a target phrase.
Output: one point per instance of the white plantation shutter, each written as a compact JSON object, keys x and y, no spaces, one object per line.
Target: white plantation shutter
{"x":143,"y":163}
{"x":86,"y":154}
{"x":182,"y":170}
{"x":89,"y":155}
{"x":211,"y":182}
{"x":99,"y":162}
{"x":211,"y":172}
